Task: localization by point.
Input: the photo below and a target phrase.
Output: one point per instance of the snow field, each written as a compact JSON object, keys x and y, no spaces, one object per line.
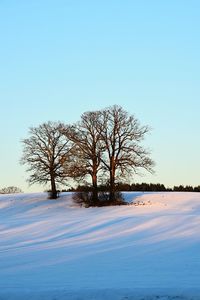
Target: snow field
{"x":52,"y":249}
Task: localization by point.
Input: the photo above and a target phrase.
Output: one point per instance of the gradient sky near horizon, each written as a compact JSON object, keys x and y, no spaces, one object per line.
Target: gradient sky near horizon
{"x":59,"y":59}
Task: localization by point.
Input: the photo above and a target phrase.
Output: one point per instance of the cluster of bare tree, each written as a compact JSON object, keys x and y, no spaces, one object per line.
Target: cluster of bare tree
{"x":104,"y":146}
{"x":10,"y":190}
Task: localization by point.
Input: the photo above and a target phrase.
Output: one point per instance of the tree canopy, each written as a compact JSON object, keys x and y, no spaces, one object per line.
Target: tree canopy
{"x":103,"y":147}
{"x":46,"y":152}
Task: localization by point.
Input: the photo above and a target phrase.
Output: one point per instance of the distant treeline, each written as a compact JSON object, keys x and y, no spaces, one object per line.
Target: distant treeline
{"x":143,"y":187}
{"x":10,"y":190}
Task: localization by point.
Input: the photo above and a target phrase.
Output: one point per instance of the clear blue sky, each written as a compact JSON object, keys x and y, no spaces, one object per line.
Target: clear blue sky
{"x":59,"y":59}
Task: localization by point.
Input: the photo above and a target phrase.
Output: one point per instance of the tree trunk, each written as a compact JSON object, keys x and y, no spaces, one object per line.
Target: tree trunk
{"x":53,"y":194}
{"x":94,"y":190}
{"x":112,"y":187}
{"x":112,"y":179}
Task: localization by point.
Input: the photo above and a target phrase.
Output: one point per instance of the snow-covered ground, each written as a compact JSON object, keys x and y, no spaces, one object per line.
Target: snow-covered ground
{"x":52,"y":249}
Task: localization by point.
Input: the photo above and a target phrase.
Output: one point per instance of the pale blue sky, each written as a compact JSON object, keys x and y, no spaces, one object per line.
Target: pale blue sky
{"x":59,"y":59}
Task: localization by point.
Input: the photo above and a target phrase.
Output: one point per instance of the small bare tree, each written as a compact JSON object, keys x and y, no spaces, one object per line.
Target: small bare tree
{"x":121,"y":135}
{"x":46,"y":152}
{"x":87,"y":151}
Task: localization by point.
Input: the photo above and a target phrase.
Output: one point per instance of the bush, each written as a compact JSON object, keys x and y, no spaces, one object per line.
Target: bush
{"x":53,"y":195}
{"x":83,"y":198}
{"x":117,"y":200}
{"x":86,"y":199}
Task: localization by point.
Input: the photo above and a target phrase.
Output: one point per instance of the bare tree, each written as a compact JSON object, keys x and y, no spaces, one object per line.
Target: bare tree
{"x":46,"y":152}
{"x":87,"y":150}
{"x":10,"y":190}
{"x":121,"y":134}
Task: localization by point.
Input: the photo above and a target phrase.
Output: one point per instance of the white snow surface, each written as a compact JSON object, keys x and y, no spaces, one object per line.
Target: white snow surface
{"x":53,"y":249}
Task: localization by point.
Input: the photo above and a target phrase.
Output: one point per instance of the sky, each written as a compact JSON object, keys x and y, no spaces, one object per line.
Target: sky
{"x":59,"y":59}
